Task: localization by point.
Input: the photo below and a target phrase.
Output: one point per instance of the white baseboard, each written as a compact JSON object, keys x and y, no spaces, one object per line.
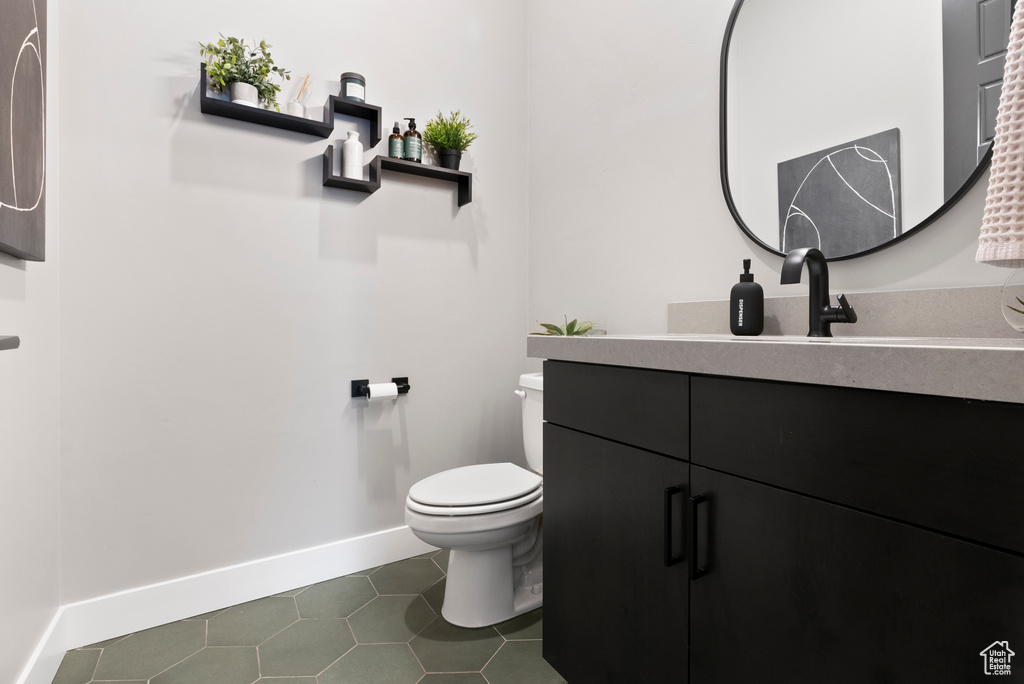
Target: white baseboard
{"x":105,"y":617}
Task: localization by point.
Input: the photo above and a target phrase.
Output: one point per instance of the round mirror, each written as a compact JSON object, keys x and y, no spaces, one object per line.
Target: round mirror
{"x":848,"y":126}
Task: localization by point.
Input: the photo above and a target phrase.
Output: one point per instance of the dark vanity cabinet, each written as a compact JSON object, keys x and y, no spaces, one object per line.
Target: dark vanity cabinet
{"x":615,"y":573}
{"x":838,"y":535}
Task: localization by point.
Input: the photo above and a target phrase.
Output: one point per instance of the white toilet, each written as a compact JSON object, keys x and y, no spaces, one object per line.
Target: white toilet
{"x":490,"y":517}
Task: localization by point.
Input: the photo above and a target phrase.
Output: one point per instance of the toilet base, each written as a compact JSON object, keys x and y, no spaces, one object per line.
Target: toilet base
{"x":480,"y":588}
{"x":495,"y":566}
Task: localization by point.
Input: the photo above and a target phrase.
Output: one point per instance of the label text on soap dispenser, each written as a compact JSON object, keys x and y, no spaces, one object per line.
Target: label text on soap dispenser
{"x":740,"y":320}
{"x":413,"y":148}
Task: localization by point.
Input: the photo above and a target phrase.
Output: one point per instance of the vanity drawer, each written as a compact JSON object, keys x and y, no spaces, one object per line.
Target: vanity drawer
{"x":642,"y":408}
{"x":952,"y":465}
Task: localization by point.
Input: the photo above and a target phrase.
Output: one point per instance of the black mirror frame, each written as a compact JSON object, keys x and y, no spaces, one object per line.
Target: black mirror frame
{"x":723,"y":152}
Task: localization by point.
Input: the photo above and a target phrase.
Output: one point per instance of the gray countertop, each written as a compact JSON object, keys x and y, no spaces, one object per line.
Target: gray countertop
{"x":987,"y":368}
{"x":9,"y":342}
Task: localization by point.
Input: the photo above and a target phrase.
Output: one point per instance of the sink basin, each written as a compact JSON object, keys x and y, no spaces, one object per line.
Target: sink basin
{"x":868,"y":340}
{"x":842,"y":340}
{"x":726,"y":337}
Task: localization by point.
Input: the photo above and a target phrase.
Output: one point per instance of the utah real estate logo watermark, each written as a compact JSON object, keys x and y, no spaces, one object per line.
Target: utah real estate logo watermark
{"x":997,"y":658}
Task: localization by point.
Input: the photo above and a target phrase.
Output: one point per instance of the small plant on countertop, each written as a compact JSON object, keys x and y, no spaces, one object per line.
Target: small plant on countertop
{"x":1021,"y":310}
{"x":452,"y":133}
{"x":230,"y":60}
{"x":571,"y":328}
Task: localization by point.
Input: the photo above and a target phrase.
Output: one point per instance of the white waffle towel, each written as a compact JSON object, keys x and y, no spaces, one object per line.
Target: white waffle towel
{"x":1002,"y":230}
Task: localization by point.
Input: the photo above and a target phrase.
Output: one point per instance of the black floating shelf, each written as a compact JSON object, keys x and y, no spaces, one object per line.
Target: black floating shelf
{"x":9,"y":342}
{"x":462,"y":178}
{"x":298,"y":124}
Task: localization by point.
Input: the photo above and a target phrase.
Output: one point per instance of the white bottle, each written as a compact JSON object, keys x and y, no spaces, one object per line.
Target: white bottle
{"x":352,"y":157}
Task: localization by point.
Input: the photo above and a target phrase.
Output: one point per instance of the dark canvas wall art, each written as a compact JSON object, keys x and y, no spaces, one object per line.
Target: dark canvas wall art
{"x":844,"y":199}
{"x":23,"y":128}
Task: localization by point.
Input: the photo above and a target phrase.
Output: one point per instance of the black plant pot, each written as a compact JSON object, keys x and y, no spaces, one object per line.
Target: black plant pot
{"x":449,"y":159}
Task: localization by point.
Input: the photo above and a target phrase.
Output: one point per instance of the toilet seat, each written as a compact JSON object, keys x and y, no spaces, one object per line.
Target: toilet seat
{"x":461,"y":530}
{"x":473,"y":510}
{"x":474,"y":490}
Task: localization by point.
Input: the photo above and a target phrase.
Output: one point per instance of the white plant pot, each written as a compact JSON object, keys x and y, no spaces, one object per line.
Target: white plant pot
{"x":245,"y":94}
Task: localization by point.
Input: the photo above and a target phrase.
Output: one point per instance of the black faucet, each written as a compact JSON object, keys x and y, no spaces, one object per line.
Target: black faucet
{"x":822,"y":314}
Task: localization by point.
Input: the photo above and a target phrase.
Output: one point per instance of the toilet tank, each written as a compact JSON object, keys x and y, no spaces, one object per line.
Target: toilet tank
{"x":531,"y":391}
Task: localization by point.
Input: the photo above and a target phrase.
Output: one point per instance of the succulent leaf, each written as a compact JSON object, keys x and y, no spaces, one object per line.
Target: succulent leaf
{"x":573,"y":328}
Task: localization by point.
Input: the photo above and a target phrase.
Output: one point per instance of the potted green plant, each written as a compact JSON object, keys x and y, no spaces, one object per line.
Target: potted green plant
{"x":244,"y":71}
{"x":449,"y":137}
{"x":573,"y":328}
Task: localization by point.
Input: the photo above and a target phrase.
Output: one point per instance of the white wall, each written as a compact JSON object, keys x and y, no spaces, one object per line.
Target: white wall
{"x":30,"y":424}
{"x":616,"y":236}
{"x":217,"y":300}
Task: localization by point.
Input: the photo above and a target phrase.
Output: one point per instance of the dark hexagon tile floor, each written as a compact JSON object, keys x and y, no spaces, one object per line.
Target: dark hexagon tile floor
{"x":381,"y":625}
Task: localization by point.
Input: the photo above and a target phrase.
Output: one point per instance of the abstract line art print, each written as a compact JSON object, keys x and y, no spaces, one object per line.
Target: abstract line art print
{"x":844,"y":199}
{"x":23,"y":128}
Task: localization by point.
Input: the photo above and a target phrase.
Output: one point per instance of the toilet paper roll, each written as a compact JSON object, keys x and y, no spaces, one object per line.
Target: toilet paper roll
{"x":382,"y":391}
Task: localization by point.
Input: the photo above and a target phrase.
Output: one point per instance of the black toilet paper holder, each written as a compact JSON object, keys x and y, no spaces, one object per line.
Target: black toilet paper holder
{"x":361,"y":388}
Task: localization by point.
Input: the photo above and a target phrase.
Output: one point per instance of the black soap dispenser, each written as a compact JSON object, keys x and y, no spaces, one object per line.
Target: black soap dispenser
{"x":746,"y":305}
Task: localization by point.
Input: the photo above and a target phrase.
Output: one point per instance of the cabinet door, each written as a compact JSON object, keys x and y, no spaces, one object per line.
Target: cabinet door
{"x":799,"y":590}
{"x":614,"y":610}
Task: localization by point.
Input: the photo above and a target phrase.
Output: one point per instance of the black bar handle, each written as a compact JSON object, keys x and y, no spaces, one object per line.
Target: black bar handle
{"x":671,"y":558}
{"x":696,"y":569}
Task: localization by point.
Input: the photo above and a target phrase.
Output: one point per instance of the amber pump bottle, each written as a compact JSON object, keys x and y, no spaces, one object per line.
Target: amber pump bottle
{"x":413,"y":143}
{"x":396,"y":143}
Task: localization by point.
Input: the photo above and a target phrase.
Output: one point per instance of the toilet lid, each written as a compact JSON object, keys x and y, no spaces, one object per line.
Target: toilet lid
{"x":481,"y":509}
{"x":475,"y":485}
